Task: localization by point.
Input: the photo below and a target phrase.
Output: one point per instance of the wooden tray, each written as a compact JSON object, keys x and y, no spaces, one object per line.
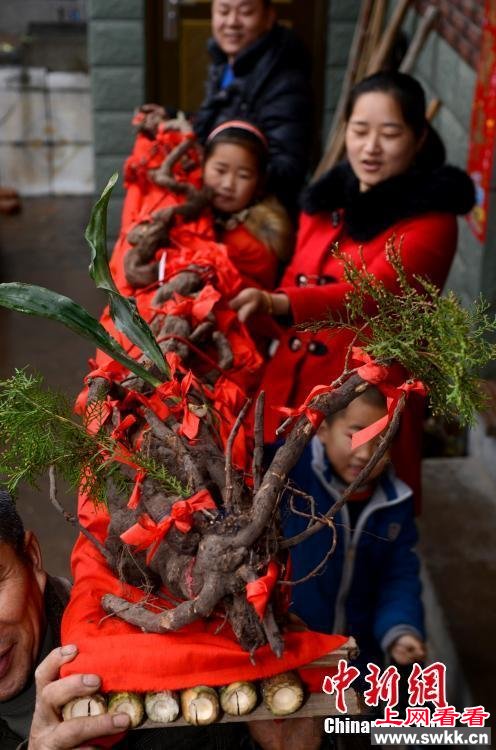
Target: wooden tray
{"x":316,"y":704}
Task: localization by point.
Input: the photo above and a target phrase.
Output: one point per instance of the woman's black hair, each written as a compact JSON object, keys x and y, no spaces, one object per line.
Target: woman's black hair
{"x":410,"y":96}
{"x":11,"y":526}
{"x":244,"y":138}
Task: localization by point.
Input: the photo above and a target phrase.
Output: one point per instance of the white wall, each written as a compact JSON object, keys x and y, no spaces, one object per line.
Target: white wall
{"x":16,"y":14}
{"x":46,"y":132}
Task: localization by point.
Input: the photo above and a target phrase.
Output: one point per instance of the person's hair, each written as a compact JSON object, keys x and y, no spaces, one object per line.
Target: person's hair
{"x":11,"y":526}
{"x":372,"y":396}
{"x":241,"y":133}
{"x":410,"y":97}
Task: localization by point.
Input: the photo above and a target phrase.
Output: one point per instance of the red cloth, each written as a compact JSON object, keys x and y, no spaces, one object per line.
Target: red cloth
{"x":429,"y":243}
{"x":483,"y":126}
{"x":128,"y":659}
{"x":256,"y":263}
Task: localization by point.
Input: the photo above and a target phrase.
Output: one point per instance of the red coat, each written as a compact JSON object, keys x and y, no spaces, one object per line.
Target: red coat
{"x":314,"y":284}
{"x":256,"y":262}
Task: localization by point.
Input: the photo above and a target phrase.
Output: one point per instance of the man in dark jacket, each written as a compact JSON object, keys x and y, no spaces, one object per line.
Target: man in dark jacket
{"x":261,"y":73}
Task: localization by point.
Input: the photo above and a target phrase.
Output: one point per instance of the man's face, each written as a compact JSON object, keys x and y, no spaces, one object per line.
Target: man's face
{"x":236,"y":24}
{"x":22,"y":583}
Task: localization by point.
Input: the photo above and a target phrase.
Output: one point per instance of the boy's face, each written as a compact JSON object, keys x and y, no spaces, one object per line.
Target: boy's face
{"x":236,"y":24}
{"x":336,"y":438}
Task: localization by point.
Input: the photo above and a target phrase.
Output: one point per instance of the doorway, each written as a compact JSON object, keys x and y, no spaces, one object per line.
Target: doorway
{"x":176,"y":48}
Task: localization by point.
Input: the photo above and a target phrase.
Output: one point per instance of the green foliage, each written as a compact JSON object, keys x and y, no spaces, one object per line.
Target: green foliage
{"x":36,"y":300}
{"x":435,"y":339}
{"x":39,"y":430}
{"x":44,"y":303}
{"x":123,"y":310}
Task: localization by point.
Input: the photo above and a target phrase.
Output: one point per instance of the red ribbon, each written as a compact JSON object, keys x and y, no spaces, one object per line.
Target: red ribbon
{"x":370,"y":371}
{"x":136,"y":493}
{"x":147,"y":534}
{"x":123,"y":426}
{"x":259,"y":592}
{"x":110,"y":372}
{"x":196,"y":308}
{"x":179,"y":389}
{"x":313,"y":415}
{"x":153,"y":402}
{"x":376,"y":374}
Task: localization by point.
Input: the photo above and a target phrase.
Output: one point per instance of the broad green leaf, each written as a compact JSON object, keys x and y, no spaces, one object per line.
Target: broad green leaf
{"x":122,"y":309}
{"x":36,"y":300}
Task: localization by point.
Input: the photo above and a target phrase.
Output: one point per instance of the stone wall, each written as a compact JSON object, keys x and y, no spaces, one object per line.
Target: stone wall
{"x":46,"y":133}
{"x":341,"y":21}
{"x":117,"y":64}
{"x":446,"y":75}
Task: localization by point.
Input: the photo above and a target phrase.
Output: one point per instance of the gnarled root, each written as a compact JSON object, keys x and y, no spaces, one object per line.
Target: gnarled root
{"x":134,"y":614}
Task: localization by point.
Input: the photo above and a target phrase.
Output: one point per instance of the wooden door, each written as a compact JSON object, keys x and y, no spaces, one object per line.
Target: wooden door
{"x":177,"y":59}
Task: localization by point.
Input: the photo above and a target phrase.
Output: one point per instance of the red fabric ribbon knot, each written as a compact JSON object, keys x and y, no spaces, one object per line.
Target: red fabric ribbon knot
{"x":196,"y":308}
{"x":148,"y":534}
{"x":259,"y":592}
{"x":370,"y":371}
{"x":313,"y":415}
{"x":393,"y":394}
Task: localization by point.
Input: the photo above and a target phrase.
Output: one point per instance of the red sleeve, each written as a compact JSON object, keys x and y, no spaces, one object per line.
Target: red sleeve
{"x":428,"y":246}
{"x":255,"y":261}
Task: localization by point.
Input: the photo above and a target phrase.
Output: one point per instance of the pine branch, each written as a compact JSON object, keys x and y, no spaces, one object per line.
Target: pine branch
{"x":39,"y":431}
{"x":432,"y":336}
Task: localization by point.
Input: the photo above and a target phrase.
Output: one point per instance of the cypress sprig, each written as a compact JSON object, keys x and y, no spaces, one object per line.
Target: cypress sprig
{"x":38,"y":429}
{"x":436,"y":340}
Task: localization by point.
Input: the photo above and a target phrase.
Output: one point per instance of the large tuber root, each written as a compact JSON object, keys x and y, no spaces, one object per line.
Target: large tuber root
{"x":147,"y":237}
{"x":210,"y":565}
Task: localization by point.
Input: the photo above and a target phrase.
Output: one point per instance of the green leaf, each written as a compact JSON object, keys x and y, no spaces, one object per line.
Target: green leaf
{"x":122,"y":309}
{"x":43,"y":303}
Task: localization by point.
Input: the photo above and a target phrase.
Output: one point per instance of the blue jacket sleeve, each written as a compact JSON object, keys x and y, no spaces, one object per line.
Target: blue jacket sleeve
{"x":399,"y":608}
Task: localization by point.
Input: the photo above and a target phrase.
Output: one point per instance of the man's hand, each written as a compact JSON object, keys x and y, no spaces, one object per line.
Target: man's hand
{"x":288,"y":734}
{"x":407,"y":649}
{"x":48,"y":731}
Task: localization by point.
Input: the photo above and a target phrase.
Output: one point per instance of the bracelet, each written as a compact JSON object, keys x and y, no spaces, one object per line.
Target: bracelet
{"x":269,"y":303}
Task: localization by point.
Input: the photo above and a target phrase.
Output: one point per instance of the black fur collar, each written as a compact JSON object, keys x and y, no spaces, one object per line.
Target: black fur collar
{"x":445,"y":189}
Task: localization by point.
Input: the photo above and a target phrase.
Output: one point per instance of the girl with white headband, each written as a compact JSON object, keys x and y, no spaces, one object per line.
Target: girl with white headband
{"x":254,"y":227}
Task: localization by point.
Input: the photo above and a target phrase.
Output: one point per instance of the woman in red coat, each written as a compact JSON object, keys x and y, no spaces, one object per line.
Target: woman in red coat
{"x":393,"y":183}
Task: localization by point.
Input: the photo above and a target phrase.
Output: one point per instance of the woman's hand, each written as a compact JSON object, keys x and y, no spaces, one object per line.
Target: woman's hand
{"x":250,"y":301}
{"x":48,"y":731}
{"x":407,"y":649}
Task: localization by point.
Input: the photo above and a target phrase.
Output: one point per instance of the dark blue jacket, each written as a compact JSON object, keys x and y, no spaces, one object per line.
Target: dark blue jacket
{"x":370,"y":587}
{"x":271,"y":88}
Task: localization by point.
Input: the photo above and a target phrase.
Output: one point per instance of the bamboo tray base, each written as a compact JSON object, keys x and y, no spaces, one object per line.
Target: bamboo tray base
{"x":316,"y":704}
